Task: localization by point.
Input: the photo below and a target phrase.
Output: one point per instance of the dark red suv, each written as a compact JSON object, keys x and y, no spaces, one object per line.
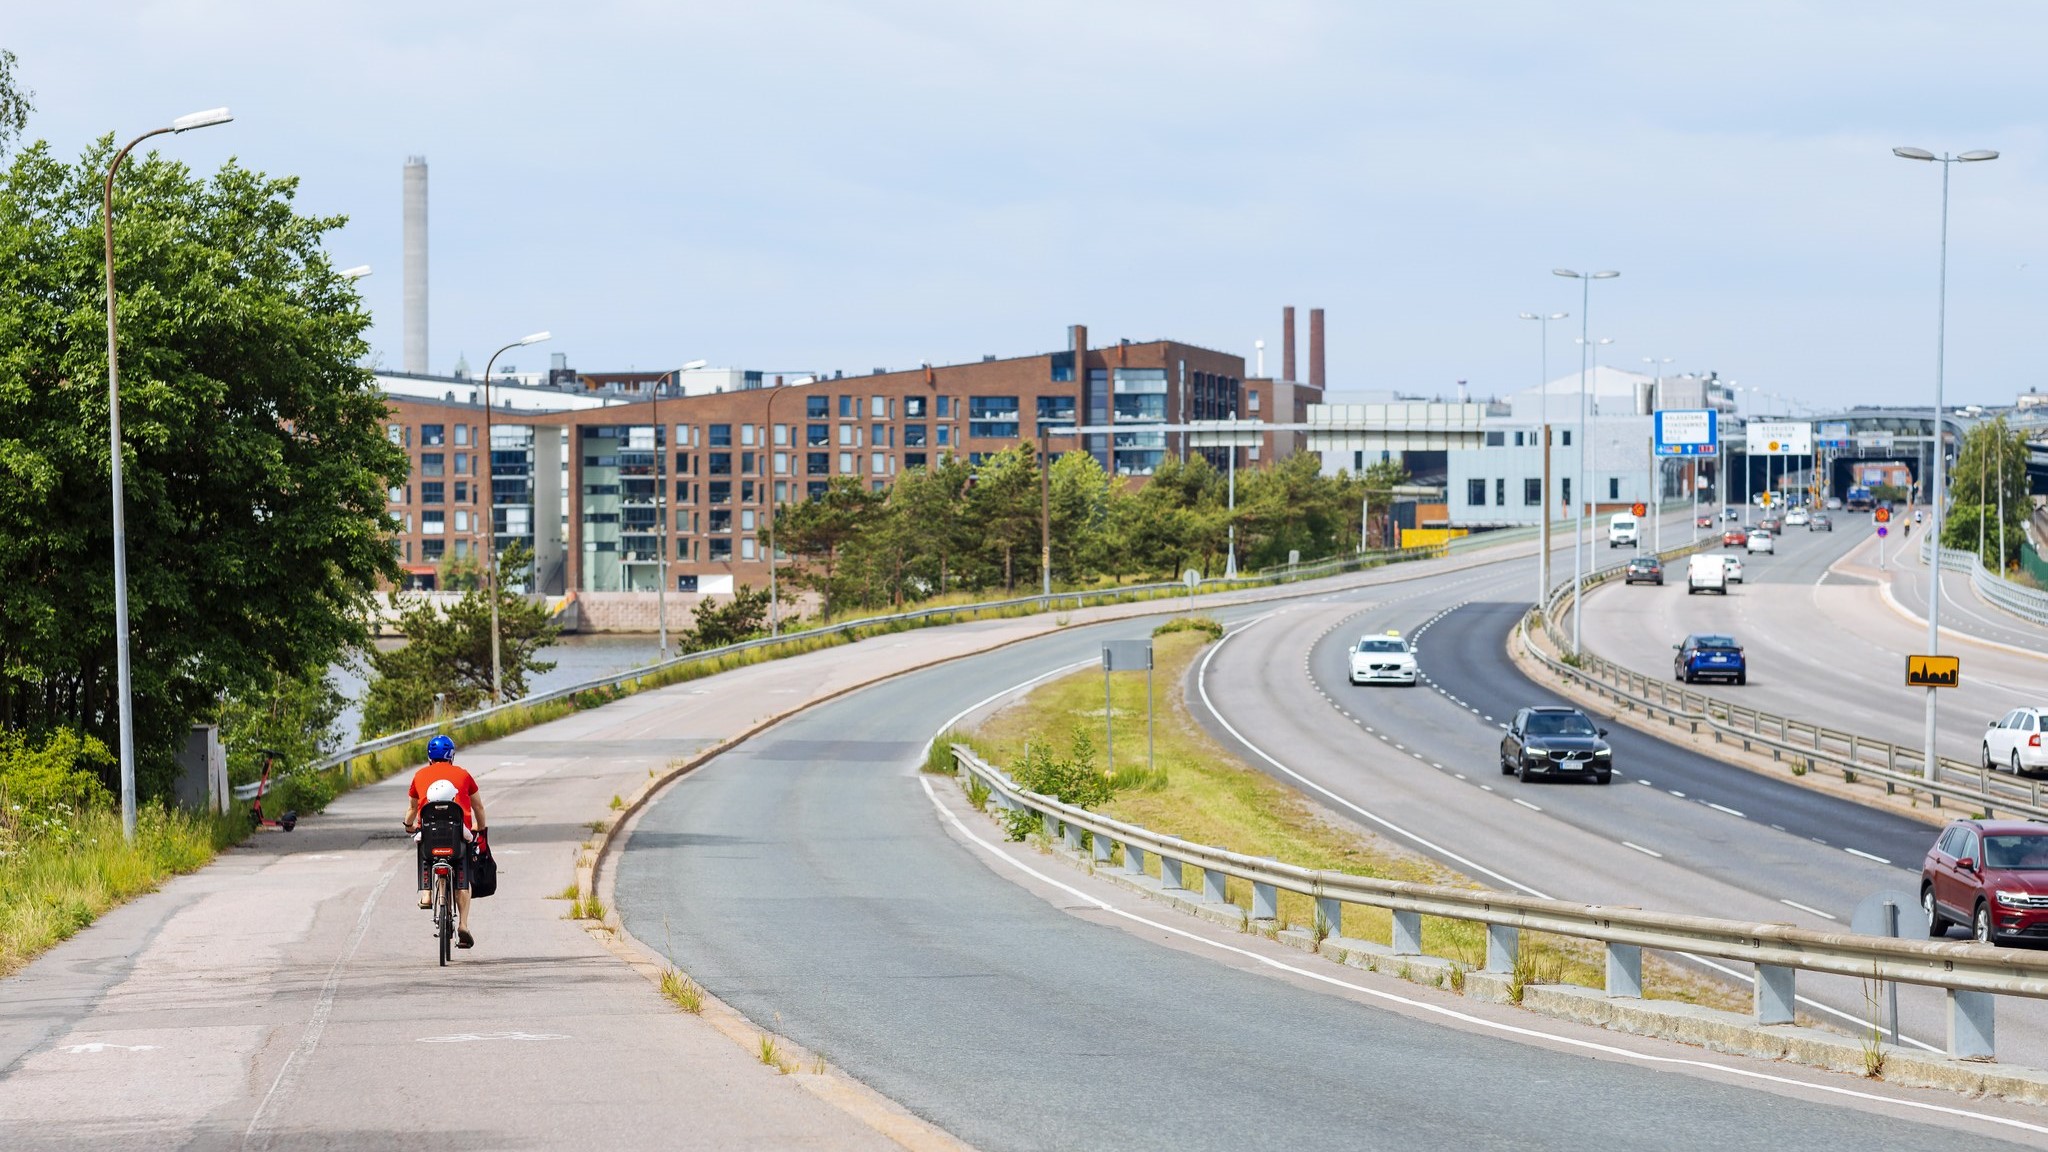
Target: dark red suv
{"x":1990,"y":875}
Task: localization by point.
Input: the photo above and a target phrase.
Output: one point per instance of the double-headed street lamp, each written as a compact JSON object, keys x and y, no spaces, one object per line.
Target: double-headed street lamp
{"x":1585,"y":280}
{"x":126,"y":717}
{"x":491,"y":512}
{"x":1543,"y":399}
{"x":1937,"y":489}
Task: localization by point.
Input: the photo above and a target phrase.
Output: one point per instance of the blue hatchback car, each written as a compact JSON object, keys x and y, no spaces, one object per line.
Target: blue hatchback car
{"x":1709,"y":657}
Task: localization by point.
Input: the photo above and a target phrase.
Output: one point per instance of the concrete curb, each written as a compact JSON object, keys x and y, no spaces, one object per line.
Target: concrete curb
{"x":1673,"y":1020}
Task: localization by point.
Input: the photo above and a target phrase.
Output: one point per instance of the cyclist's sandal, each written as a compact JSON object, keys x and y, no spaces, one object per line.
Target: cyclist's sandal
{"x":464,"y":940}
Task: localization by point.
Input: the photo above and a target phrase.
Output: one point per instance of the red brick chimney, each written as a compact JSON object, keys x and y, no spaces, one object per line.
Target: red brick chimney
{"x":1287,"y":343}
{"x":1315,"y":347}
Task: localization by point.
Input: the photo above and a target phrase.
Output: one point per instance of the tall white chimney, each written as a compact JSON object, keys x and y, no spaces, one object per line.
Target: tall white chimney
{"x":416,"y":264}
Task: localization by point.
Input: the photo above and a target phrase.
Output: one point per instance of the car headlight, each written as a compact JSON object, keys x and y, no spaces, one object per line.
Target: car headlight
{"x":1603,"y":752}
{"x":2013,"y":897}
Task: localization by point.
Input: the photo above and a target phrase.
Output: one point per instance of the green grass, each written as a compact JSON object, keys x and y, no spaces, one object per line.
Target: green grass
{"x":1198,"y":791}
{"x":51,"y":886}
{"x":683,"y":991}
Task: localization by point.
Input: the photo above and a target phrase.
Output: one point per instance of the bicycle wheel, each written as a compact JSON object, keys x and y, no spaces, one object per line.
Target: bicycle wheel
{"x":444,"y":913}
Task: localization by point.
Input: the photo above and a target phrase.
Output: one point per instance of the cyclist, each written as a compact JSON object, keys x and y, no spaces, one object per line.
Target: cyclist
{"x":442,"y":779}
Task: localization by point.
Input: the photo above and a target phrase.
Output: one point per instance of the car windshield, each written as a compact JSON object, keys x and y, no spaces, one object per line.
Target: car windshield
{"x":1387,"y":645}
{"x":1715,"y":642}
{"x":1559,"y":724}
{"x":2017,"y":852}
{"x":1642,"y":562}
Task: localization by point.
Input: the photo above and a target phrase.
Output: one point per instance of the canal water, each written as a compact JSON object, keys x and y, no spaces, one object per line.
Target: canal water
{"x":577,"y":658}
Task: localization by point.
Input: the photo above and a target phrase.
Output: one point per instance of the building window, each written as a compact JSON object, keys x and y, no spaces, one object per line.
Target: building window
{"x":877,"y":465}
{"x":945,"y":407}
{"x":817,"y":435}
{"x":1496,"y":439}
{"x":432,"y":550}
{"x":914,"y":460}
{"x":1566,"y":442}
{"x":1532,"y":492}
{"x":720,"y":435}
{"x":395,"y":433}
{"x":846,"y":408}
{"x":461,"y":520}
{"x":1567,"y":491}
{"x":1500,"y":492}
{"x":746,"y":435}
{"x":913,"y":407}
{"x":397,"y":495}
{"x":462,"y":491}
{"x":461,"y":435}
{"x":432,"y":435}
{"x":747,"y":516}
{"x":944,"y":432}
{"x":720,"y":520}
{"x":686,"y":582}
{"x":1475,"y":492}
{"x":878,"y":407}
{"x":846,"y":463}
{"x":913,"y":435}
{"x":1614,"y":486}
{"x":782,"y":463}
{"x":431,"y":491}
{"x":746,"y":463}
{"x":1055,"y":408}
{"x":462,"y":463}
{"x":721,"y":549}
{"x":818,"y":463}
{"x":431,"y":464}
{"x":1251,"y":400}
{"x":817,"y":407}
{"x":720,"y":464}
{"x":848,"y":434}
{"x":1062,"y":367}
{"x":992,"y":417}
{"x":814,"y":489}
{"x":1518,"y":439}
{"x":718,"y":492}
{"x":432,"y":524}
{"x":781,"y":434}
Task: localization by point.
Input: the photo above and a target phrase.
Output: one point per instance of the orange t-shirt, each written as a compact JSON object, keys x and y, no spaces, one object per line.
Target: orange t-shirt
{"x":465,"y":786}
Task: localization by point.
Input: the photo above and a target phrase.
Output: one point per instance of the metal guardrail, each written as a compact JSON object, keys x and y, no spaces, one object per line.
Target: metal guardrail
{"x":1285,"y":574}
{"x":1972,"y":972}
{"x":2028,"y":604}
{"x":1800,"y":741}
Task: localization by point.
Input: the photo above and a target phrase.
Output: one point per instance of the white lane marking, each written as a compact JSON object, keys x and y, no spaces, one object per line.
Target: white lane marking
{"x":1677,"y":793}
{"x":98,"y":1047}
{"x":1526,"y":804}
{"x":1454,"y":1014}
{"x":1866,"y":855}
{"x":1202,"y":688}
{"x":287,"y":1075}
{"x":1729,"y":811}
{"x":1647,"y":783}
{"x":986,"y":701}
{"x":1643,"y":850}
{"x":1807,"y":908}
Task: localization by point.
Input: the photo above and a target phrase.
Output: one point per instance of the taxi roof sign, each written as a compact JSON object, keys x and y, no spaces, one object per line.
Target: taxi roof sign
{"x":1934,"y":671}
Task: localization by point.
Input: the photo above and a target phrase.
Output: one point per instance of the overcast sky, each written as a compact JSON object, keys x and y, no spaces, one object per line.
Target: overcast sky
{"x":793,"y":185}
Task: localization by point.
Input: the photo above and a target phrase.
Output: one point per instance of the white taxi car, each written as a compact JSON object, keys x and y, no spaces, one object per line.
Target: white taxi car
{"x":1384,"y":659}
{"x":2014,"y":741}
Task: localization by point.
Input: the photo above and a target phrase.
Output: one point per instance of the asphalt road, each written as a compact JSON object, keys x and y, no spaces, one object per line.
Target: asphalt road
{"x":1822,"y":645}
{"x":808,"y":878}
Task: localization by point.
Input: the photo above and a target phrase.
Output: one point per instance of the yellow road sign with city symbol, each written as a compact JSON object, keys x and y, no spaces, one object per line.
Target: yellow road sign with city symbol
{"x":1933,"y":671}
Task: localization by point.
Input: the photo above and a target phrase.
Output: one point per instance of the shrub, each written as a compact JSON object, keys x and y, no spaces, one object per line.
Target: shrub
{"x":54,"y":779}
{"x":1191,"y":624}
{"x":1072,"y":779}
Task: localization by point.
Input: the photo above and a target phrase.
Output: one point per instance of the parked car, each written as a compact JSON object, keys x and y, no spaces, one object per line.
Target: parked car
{"x":1734,"y":538}
{"x":1383,"y":659}
{"x":1821,"y":522}
{"x":1705,"y":656}
{"x":1734,"y":564}
{"x":1555,"y":743}
{"x":1990,"y":876}
{"x":1644,"y":570}
{"x":2014,"y":741}
{"x":1762,"y":540}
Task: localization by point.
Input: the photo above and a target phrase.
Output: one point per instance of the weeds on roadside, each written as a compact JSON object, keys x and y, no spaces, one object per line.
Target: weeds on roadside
{"x":686,"y":993}
{"x":772,"y":1056}
{"x":978,"y":793}
{"x":568,"y":892}
{"x":1873,"y":1041}
{"x":591,"y":909}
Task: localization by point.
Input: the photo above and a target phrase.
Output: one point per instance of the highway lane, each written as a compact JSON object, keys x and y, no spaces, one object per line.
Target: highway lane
{"x":1822,"y":646}
{"x":1962,"y":610}
{"x":1678,"y":831}
{"x":806,"y":878}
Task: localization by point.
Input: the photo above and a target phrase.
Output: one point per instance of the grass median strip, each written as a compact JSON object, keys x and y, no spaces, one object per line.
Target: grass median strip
{"x":1198,"y":791}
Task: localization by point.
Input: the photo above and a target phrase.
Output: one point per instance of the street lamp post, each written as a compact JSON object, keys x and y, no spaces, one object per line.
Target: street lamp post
{"x":1543,"y":400}
{"x":1936,"y":490}
{"x":661,"y":450}
{"x":126,"y":716}
{"x":490,"y":513}
{"x":1656,"y":466}
{"x":1585,"y":280}
{"x":774,"y":607}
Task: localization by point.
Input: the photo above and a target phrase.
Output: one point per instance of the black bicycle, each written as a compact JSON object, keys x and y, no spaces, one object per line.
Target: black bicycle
{"x":442,"y":849}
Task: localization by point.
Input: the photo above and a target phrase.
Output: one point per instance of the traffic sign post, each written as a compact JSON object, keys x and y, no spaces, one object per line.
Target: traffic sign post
{"x":1934,"y":671}
{"x":1880,"y":547}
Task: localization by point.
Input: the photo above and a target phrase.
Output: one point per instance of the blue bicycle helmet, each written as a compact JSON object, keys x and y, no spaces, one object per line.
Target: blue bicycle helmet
{"x":440,"y":748}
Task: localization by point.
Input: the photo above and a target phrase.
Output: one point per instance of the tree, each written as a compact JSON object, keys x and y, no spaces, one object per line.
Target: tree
{"x":16,"y":103}
{"x":933,"y":501}
{"x":717,"y":625}
{"x":253,"y":450}
{"x":1993,"y":456}
{"x":292,"y":715}
{"x":1079,"y":496}
{"x":1003,"y":503}
{"x":814,"y":531}
{"x":446,"y":659}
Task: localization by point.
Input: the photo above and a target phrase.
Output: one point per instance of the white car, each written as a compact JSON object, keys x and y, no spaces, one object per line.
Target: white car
{"x":2014,"y":741}
{"x":1384,"y":659}
{"x":1761,"y":541}
{"x":1734,"y":568}
{"x":1795,"y":518}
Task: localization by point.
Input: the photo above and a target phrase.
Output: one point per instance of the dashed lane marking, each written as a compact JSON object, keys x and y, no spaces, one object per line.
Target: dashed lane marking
{"x":1865,"y":855}
{"x":1808,"y":908}
{"x":1643,"y":850}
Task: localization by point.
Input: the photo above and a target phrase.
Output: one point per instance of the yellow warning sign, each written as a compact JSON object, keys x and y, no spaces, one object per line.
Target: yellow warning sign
{"x":1933,"y":671}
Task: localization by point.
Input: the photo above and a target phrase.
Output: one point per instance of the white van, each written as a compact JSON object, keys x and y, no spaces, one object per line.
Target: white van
{"x":1621,"y":531}
{"x":1706,"y":574}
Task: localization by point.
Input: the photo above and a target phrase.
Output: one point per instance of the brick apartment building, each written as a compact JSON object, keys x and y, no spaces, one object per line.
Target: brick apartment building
{"x":585,"y":467}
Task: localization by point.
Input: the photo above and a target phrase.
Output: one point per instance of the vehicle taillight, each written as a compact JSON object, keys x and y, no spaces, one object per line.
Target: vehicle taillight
{"x":2034,"y":741}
